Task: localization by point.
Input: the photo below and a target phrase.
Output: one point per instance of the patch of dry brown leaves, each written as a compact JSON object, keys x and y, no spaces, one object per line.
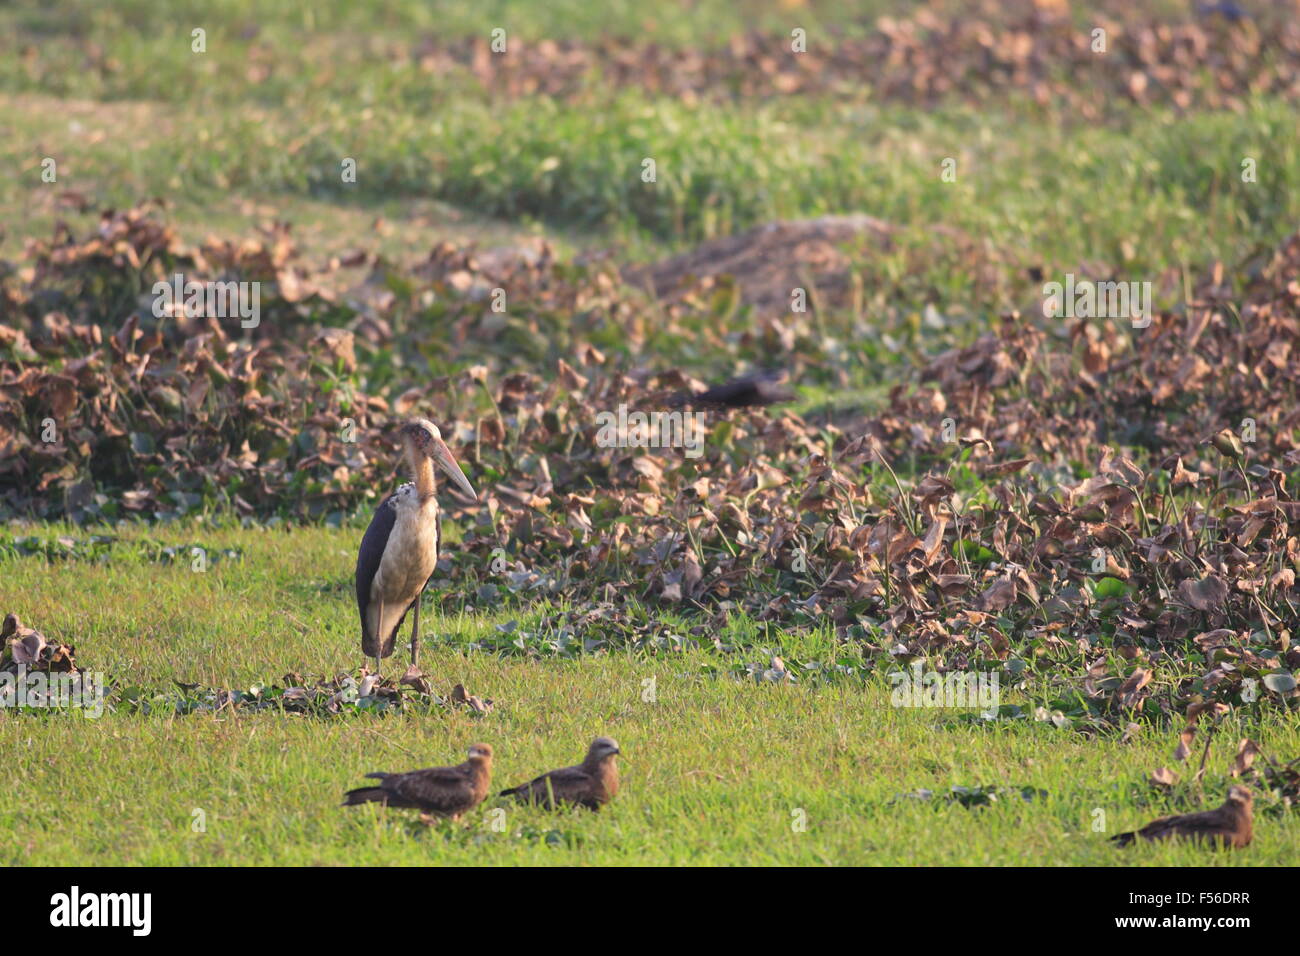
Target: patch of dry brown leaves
{"x":1139,"y":588}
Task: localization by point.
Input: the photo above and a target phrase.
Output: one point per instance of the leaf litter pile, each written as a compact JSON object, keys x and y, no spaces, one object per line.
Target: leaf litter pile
{"x":341,"y":695}
{"x":980,"y":52}
{"x":1102,"y":514}
{"x":25,"y":648}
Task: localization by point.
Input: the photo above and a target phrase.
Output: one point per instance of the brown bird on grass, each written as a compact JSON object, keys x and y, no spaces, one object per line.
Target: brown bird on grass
{"x":436,"y":791}
{"x":759,"y":388}
{"x":1229,"y":825}
{"x":590,"y":784}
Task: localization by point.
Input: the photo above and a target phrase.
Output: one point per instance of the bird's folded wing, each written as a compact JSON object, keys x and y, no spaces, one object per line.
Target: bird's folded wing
{"x":1207,"y":822}
{"x":371,"y":552}
{"x":1158,"y":826}
{"x":568,"y":783}
{"x":435,"y":788}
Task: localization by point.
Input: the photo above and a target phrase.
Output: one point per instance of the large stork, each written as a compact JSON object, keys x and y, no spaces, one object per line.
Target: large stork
{"x":400,"y":548}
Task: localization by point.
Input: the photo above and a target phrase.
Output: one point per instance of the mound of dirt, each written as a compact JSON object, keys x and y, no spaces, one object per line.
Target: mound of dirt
{"x":768,"y":262}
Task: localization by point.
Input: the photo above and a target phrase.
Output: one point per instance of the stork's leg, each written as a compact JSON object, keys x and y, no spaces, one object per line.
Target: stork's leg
{"x":415,"y":632}
{"x":380,"y":647}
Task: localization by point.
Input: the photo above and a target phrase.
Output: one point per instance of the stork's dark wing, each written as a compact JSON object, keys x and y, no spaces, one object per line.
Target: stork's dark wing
{"x":567,"y":785}
{"x":437,"y":789}
{"x":371,"y":553}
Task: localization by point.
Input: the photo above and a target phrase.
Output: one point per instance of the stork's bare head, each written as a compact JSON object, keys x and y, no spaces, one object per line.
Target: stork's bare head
{"x":423,"y":437}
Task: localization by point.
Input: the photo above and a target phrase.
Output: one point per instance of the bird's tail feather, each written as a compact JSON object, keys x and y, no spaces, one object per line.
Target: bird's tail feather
{"x":364,"y":795}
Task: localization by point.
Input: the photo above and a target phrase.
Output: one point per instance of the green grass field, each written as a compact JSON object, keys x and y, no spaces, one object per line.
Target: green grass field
{"x":720,"y":768}
{"x":716,"y":767}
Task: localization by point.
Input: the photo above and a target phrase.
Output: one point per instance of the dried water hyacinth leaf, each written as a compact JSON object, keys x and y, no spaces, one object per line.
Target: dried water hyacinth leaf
{"x":1007,"y":467}
{"x":1130,"y":692}
{"x":61,"y":393}
{"x":339,"y":345}
{"x":1163,"y":777}
{"x":569,"y":378}
{"x":998,"y":596}
{"x":478,"y":705}
{"x":1219,"y":637}
{"x":1247,"y":750}
{"x":24,"y":641}
{"x":1213,"y":708}
{"x":932,"y":544}
{"x":1207,"y":594}
{"x":1179,"y":477}
{"x":27,"y":648}
{"x":405,"y":403}
{"x":414,"y":677}
{"x":59,"y":659}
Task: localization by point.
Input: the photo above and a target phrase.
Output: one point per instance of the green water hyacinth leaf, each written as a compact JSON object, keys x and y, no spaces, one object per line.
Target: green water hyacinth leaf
{"x":972,"y":551}
{"x":1111,"y":588}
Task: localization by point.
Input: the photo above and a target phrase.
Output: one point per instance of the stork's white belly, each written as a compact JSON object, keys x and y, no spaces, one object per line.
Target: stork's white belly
{"x":409,"y":559}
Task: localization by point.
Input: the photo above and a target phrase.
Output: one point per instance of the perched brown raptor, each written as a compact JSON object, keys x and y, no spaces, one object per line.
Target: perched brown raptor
{"x":1228,"y":825}
{"x":436,"y":791}
{"x":590,"y":784}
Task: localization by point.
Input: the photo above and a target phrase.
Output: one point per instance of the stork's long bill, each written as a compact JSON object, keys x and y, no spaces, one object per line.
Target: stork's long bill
{"x":444,"y":459}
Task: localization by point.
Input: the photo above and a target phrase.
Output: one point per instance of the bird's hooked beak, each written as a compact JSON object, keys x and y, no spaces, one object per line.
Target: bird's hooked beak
{"x":437,"y":450}
{"x":606,"y":747}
